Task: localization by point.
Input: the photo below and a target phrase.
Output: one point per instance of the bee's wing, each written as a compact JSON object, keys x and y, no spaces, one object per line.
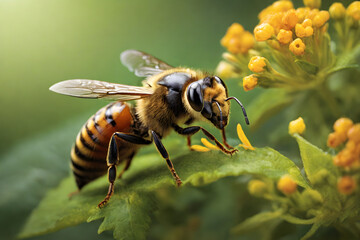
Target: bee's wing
{"x":85,"y":88}
{"x":142,"y":64}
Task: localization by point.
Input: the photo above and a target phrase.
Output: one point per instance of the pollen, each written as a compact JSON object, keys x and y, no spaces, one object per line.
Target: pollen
{"x":353,"y":10}
{"x":284,"y":36}
{"x":250,"y":82}
{"x":346,"y":185}
{"x":246,"y":143}
{"x":297,"y":126}
{"x":257,"y":64}
{"x":337,"y":11}
{"x":297,"y":47}
{"x":287,"y":185}
{"x":321,"y":18}
{"x":263,"y":32}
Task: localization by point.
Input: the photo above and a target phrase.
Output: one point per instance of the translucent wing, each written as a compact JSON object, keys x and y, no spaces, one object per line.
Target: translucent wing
{"x":85,"y":88}
{"x":142,"y":64}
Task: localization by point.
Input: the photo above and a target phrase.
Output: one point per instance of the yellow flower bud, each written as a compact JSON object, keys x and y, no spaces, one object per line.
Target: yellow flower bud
{"x":337,"y":11}
{"x":353,"y":10}
{"x":342,"y":125}
{"x":290,"y":19}
{"x":307,"y":23}
{"x":247,"y":41}
{"x":287,"y":185}
{"x":284,"y":36}
{"x":345,"y":158}
{"x":263,"y":32}
{"x":321,"y":18}
{"x":300,"y":30}
{"x":335,"y":139}
{"x":249,"y":82}
{"x":225,"y":70}
{"x":309,"y":31}
{"x":257,"y":188}
{"x":297,"y":126}
{"x":354,"y":133}
{"x":257,"y":64}
{"x":312,"y":3}
{"x":346,"y":185}
{"x":297,"y":47}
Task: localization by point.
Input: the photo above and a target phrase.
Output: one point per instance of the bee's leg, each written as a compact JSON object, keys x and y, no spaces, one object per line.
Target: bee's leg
{"x":224,"y":139}
{"x":189,"y":131}
{"x":111,"y":159}
{"x":160,"y":147}
{"x":189,"y":141}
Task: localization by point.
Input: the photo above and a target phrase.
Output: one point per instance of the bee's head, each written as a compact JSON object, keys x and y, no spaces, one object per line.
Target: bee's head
{"x":209,"y":97}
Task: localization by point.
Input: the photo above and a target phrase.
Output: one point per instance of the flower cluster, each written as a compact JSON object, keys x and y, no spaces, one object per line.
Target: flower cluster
{"x":295,"y":41}
{"x":346,"y":134}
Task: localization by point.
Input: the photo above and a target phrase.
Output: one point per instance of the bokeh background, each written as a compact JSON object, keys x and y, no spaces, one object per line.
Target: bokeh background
{"x":46,"y":41}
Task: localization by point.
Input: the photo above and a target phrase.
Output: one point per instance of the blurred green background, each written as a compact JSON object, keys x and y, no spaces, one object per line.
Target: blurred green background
{"x":46,"y":41}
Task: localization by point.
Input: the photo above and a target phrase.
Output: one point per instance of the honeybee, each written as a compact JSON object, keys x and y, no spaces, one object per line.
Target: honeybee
{"x":169,"y":98}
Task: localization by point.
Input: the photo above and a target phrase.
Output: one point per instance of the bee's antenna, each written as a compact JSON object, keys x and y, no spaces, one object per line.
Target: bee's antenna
{"x":221,"y":116}
{"x":242,"y":107}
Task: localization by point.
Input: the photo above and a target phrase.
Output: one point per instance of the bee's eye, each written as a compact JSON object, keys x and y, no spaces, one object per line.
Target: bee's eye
{"x":195,"y":96}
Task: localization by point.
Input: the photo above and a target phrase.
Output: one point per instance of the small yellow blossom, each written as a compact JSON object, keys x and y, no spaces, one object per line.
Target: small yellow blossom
{"x":290,"y":19}
{"x":335,"y":139}
{"x":307,"y":23}
{"x":246,"y":143}
{"x":354,"y":133}
{"x":249,"y":82}
{"x":353,"y":10}
{"x":344,"y":158}
{"x":276,"y":7}
{"x":284,"y":36}
{"x":263,"y":32}
{"x":225,"y":70}
{"x":237,"y":40}
{"x":346,"y":185}
{"x":301,"y":13}
{"x":297,"y":126}
{"x":297,"y":47}
{"x":342,"y":125}
{"x":257,"y":64}
{"x":312,"y":3}
{"x":199,"y":148}
{"x":287,"y":185}
{"x":337,"y":11}
{"x":321,"y":18}
{"x":302,"y":31}
{"x":257,"y":188}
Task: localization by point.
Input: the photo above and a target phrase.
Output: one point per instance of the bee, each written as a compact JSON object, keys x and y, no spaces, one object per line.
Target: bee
{"x":169,"y":98}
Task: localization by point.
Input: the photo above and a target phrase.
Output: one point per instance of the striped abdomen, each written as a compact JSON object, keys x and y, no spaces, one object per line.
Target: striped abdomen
{"x":88,"y":155}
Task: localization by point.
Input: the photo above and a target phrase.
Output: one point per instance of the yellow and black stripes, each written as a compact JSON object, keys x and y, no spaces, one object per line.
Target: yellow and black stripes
{"x":88,"y":155}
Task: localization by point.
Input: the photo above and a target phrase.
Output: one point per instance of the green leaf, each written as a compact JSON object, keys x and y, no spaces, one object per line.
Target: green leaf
{"x":255,"y":222}
{"x":307,"y":66}
{"x":321,"y":172}
{"x":267,"y":104}
{"x":149,"y":173}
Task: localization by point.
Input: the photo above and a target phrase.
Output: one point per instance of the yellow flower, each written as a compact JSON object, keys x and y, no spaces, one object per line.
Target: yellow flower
{"x":225,"y":70}
{"x":257,"y":64}
{"x":353,"y":10}
{"x":297,"y":47}
{"x":354,"y":133}
{"x":321,"y":18}
{"x":346,"y":185}
{"x":337,"y":11}
{"x":335,"y":139}
{"x":312,"y":3}
{"x":276,"y":7}
{"x":263,"y":32}
{"x":289,"y":20}
{"x":287,"y":185}
{"x":307,"y":23}
{"x":236,"y":40}
{"x":342,"y":125}
{"x":284,"y":36}
{"x":249,"y":82}
{"x":297,"y":126}
{"x":257,"y":188}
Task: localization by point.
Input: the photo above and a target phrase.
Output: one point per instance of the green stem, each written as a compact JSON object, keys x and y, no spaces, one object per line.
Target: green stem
{"x":328,"y":97}
{"x":295,"y":220}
